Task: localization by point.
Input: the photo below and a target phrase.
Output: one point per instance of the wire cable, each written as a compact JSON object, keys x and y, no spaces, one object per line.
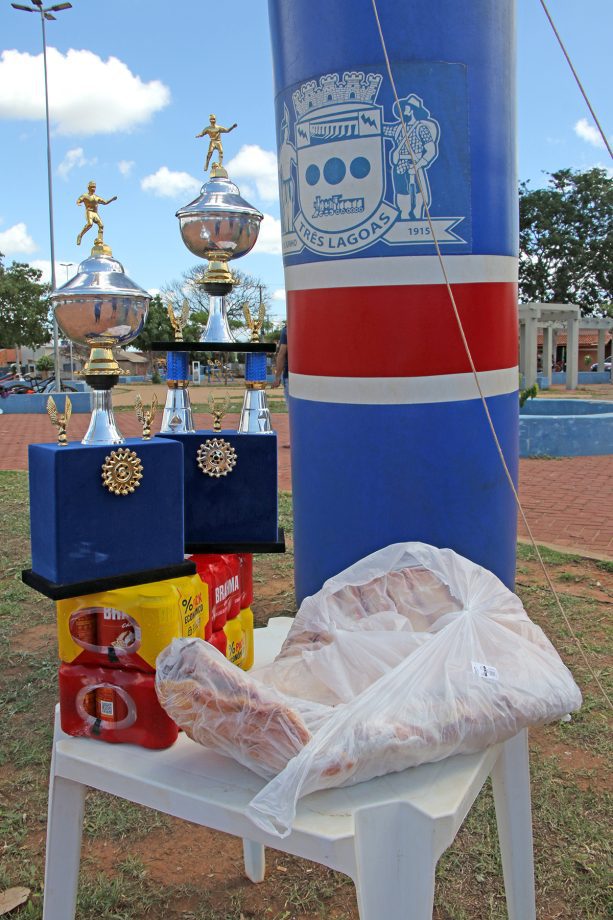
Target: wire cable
{"x":576,"y":76}
{"x":474,"y":370}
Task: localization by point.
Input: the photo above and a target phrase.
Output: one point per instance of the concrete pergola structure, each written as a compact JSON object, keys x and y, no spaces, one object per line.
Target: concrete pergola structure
{"x":552,"y":317}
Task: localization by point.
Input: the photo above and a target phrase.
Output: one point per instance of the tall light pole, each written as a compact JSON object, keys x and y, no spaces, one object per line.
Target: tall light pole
{"x":47,"y":13}
{"x":67,"y":265}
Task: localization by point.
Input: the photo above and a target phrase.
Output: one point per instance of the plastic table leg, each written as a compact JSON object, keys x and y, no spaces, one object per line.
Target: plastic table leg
{"x":63,"y":855}
{"x":255,"y":860}
{"x":511,"y":785}
{"x":395,"y":862}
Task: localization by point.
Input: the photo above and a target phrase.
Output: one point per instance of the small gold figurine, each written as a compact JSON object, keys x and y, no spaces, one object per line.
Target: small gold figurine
{"x":146,"y":416}
{"x":91,"y":202}
{"x":60,"y":419}
{"x":215,"y":131}
{"x":218,"y":406}
{"x":178,"y":323}
{"x":254,"y":325}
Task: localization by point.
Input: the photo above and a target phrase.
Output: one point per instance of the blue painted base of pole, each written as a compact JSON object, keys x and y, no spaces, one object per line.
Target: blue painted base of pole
{"x":420,"y":472}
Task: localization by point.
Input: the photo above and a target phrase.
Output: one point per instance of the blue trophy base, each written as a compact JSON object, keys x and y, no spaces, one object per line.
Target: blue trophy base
{"x":239,"y":508}
{"x":80,"y":531}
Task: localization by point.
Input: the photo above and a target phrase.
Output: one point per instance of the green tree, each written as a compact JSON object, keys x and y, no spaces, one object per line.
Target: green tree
{"x":566,"y":240}
{"x":247,"y":290}
{"x":158,"y":328}
{"x":44,"y":364}
{"x":24,"y":306}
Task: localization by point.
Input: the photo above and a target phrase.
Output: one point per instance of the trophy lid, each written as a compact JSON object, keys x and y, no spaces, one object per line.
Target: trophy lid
{"x":99,"y":275}
{"x":219,"y":196}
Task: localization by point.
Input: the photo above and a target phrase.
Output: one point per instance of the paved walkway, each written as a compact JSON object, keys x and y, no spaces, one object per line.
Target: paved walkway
{"x":568,"y":501}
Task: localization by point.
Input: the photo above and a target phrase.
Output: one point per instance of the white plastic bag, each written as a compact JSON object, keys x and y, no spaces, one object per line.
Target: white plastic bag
{"x":408,"y":656}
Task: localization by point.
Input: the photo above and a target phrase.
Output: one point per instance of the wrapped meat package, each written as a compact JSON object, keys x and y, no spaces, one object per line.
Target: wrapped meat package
{"x":409,"y":656}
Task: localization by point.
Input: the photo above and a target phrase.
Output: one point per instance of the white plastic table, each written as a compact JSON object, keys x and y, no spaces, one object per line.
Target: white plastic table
{"x":386,"y":834}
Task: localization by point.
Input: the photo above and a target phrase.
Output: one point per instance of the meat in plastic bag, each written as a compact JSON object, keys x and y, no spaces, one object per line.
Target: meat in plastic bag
{"x":409,"y":656}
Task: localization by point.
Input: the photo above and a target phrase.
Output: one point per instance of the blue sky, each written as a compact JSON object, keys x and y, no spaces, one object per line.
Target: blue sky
{"x":132,"y":83}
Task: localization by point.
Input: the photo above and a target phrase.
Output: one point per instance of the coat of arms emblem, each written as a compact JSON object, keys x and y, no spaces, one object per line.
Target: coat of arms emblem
{"x":349,"y":178}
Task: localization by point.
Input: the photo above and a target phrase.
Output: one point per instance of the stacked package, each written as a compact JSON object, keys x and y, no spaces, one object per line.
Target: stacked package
{"x":108,"y":644}
{"x":229,"y":578}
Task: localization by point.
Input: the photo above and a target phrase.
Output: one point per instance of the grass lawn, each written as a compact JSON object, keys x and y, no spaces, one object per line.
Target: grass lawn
{"x":137,"y":863}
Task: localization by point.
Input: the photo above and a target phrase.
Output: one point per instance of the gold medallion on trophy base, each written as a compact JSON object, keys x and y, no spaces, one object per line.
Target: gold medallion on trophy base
{"x":122,"y":471}
{"x":216,"y":457}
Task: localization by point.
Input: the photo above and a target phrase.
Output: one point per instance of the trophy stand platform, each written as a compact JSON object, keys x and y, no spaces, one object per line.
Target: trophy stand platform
{"x":266,"y":347}
{"x":58,"y":592}
{"x":273,"y":546}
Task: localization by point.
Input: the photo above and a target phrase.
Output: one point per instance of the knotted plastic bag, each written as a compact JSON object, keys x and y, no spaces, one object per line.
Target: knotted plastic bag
{"x":409,"y":656}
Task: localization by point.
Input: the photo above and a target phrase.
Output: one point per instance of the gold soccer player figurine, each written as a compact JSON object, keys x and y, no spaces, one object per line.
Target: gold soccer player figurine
{"x":60,"y":419}
{"x":178,"y":323}
{"x":91,"y":202}
{"x":215,"y":131}
{"x":146,"y":416}
{"x":254,"y":325}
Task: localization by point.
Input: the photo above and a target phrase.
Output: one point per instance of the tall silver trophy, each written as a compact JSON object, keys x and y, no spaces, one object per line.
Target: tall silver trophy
{"x":219,"y":226}
{"x":100,"y":308}
{"x":177,"y":416}
{"x":255,"y":414}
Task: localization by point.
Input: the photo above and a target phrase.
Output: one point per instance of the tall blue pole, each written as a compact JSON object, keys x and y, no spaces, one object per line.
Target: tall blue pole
{"x":390,"y":441}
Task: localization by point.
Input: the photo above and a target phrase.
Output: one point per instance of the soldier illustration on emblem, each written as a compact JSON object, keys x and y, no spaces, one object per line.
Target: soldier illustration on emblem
{"x":421,"y":133}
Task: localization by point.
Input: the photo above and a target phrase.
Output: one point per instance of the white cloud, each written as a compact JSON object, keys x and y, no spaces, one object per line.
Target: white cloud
{"x":74,"y":157}
{"x":125,"y":167}
{"x":87,"y":95}
{"x":45,"y":267}
{"x":589,"y":133}
{"x":16,"y":239}
{"x":257,"y":167}
{"x":166,"y":183}
{"x":279,"y":294}
{"x":154,"y":291}
{"x":269,"y":240}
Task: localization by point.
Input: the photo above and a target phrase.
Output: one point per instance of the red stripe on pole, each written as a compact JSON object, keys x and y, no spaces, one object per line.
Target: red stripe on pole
{"x":405,"y":330}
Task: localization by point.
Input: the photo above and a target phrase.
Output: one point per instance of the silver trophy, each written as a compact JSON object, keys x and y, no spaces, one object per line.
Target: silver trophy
{"x":255,"y":414}
{"x":101,"y":308}
{"x":218,"y":226}
{"x":177,"y":417}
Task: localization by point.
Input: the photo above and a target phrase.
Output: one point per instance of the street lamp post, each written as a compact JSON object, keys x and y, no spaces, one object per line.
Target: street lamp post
{"x":47,"y":13}
{"x":67,"y":265}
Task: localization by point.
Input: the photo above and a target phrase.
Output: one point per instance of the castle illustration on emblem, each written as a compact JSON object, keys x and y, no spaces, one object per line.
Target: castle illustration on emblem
{"x":336,"y":196}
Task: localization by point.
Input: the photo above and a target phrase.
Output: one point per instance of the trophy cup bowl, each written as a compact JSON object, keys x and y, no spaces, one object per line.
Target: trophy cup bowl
{"x":219,"y":225}
{"x":100,"y":307}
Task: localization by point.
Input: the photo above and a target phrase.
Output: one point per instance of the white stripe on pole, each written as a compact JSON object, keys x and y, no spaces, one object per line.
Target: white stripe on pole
{"x":388,"y":391}
{"x":396,"y":270}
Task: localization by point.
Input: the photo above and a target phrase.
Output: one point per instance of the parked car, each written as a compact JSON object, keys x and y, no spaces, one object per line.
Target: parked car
{"x":607,"y":365}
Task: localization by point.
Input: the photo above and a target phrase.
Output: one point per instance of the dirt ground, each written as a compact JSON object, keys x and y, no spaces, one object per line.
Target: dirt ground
{"x":136,"y":864}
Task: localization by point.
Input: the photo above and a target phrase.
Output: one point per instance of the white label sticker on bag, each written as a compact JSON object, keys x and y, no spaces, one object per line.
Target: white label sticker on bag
{"x":484,"y":670}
